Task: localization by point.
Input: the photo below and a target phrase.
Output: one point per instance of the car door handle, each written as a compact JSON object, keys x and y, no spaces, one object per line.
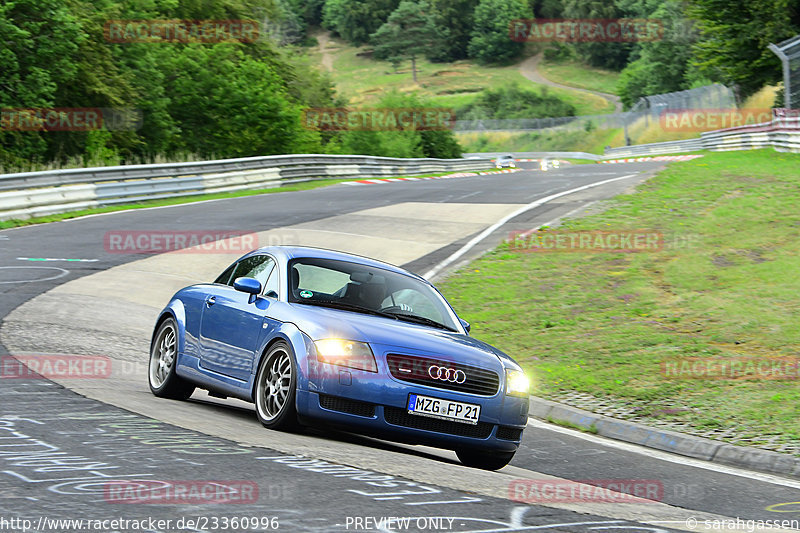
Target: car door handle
{"x":211,"y":300}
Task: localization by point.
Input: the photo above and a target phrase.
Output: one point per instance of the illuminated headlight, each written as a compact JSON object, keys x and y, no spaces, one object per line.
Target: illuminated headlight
{"x":517,"y":383}
{"x":351,"y":354}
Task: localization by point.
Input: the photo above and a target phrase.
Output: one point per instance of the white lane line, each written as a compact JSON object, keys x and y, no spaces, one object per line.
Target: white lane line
{"x":664,"y":456}
{"x":464,"y":196}
{"x":61,"y":274}
{"x":491,"y":229}
{"x":44,"y":259}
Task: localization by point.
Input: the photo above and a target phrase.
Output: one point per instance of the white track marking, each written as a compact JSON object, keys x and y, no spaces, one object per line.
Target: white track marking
{"x":669,"y":457}
{"x":491,"y":229}
{"x":45,"y":259}
{"x":63,"y":272}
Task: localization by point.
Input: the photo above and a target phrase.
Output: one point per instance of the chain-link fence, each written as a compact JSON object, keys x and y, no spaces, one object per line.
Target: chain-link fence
{"x":714,"y":96}
{"x":789,"y":52}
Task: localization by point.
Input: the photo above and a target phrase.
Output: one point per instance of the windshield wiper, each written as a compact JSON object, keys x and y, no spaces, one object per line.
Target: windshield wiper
{"x":348,"y":307}
{"x":421,"y":320}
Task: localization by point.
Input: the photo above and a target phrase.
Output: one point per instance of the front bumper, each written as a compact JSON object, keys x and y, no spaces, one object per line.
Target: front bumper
{"x":374,"y":403}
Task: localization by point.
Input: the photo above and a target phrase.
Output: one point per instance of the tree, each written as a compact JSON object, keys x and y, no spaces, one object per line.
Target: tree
{"x":407,"y":34}
{"x":610,"y":55}
{"x":660,"y":66}
{"x":734,"y":36}
{"x":40,"y":41}
{"x":452,"y":22}
{"x":227,"y":99}
{"x":356,"y":20}
{"x":310,"y":11}
{"x":232,"y":105}
{"x":490,"y":41}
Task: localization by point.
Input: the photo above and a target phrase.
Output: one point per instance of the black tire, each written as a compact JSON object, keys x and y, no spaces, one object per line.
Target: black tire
{"x":484,"y":459}
{"x":161,"y":376}
{"x":276,"y":389}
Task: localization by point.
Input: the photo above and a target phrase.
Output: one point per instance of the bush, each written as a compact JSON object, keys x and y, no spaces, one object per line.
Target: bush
{"x":515,"y":102}
{"x":408,"y":143}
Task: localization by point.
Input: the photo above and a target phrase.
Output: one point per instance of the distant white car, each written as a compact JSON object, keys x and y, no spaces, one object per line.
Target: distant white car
{"x":547,"y":164}
{"x":505,"y":161}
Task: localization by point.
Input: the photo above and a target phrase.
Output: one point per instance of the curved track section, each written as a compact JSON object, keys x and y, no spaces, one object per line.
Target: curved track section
{"x":103,"y":304}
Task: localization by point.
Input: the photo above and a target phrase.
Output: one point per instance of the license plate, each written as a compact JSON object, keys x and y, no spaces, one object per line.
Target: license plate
{"x":444,"y":409}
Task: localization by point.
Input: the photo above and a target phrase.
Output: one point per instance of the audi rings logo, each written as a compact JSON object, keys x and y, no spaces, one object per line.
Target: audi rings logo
{"x":451,"y":375}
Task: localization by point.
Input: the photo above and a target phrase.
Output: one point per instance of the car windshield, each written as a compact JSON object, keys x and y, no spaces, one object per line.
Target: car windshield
{"x":367,"y":289}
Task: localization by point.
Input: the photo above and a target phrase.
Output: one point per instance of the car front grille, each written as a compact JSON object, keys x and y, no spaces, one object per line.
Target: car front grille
{"x":345,"y":405}
{"x":443,"y":374}
{"x":509,"y":433}
{"x":400,"y":417}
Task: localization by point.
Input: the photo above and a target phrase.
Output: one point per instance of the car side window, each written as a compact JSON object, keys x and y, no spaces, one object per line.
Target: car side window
{"x":256,"y":266}
{"x":225,"y":277}
{"x":272,"y":283}
{"x":318,"y":279}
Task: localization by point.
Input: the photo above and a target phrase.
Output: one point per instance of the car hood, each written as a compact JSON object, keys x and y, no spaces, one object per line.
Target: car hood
{"x":389,"y":335}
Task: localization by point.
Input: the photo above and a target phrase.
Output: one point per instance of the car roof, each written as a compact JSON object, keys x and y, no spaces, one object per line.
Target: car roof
{"x":287,"y":253}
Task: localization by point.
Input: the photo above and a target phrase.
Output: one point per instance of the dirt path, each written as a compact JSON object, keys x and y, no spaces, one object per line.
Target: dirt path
{"x":327,"y":59}
{"x":530,"y":69}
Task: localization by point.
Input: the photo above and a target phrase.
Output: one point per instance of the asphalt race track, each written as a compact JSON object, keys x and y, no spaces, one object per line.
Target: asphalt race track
{"x":62,"y":444}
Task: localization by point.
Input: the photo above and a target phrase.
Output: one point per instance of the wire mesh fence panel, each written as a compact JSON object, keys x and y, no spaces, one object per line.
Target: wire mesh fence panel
{"x":714,"y":96}
{"x":789,"y":53}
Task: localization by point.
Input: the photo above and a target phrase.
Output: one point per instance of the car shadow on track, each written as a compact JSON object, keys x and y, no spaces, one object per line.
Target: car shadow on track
{"x":246,"y":414}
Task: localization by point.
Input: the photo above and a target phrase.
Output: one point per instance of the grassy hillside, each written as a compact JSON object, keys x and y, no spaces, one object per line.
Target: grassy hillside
{"x":576,"y":74}
{"x":541,"y":141}
{"x":724,"y":288}
{"x":362,"y":80}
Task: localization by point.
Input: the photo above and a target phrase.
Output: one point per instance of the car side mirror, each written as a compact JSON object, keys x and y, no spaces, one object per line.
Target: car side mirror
{"x":249,"y":285}
{"x":465,"y":324}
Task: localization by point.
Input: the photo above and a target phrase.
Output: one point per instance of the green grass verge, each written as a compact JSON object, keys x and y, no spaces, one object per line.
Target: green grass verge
{"x":540,"y":141}
{"x":567,"y":424}
{"x":725,"y":287}
{"x":304,"y":186}
{"x":576,"y":74}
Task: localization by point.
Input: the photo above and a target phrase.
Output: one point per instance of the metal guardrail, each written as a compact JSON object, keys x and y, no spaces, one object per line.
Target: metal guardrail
{"x":669,"y":147}
{"x":781,"y":133}
{"x":540,"y":155}
{"x":29,"y":194}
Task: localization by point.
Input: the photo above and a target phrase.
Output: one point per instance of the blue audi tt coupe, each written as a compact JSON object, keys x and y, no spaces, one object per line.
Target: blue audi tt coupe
{"x":315,"y":337}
